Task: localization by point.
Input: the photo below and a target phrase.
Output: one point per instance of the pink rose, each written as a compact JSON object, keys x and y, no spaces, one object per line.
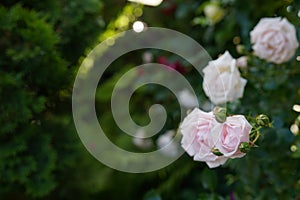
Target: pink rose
{"x":274,"y":40}
{"x":235,"y":129}
{"x":200,"y":133}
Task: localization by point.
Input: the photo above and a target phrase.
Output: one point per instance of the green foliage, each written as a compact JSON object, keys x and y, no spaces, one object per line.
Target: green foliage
{"x":39,"y":148}
{"x":28,"y":63}
{"x":41,"y":156}
{"x":77,"y":22}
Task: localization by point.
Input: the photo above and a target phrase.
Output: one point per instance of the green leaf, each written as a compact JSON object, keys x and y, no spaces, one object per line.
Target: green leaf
{"x":152,"y":195}
{"x":209,"y":179}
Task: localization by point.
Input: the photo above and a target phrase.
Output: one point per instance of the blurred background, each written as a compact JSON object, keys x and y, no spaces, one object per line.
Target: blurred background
{"x":42,"y":44}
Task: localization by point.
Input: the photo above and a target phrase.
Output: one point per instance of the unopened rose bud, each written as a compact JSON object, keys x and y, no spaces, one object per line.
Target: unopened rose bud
{"x":220,"y":114}
{"x":244,"y":147}
{"x":263,"y":120}
{"x":241,"y":49}
{"x":216,"y":152}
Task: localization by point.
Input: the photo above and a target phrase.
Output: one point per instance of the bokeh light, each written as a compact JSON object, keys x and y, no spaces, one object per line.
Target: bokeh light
{"x":138,"y":26}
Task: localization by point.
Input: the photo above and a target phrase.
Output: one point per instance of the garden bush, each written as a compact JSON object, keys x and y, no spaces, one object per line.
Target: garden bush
{"x":42,"y":45}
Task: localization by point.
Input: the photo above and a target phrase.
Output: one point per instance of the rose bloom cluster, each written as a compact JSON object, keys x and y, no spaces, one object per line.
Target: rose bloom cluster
{"x":273,"y":39}
{"x":204,"y":137}
{"x":213,"y":142}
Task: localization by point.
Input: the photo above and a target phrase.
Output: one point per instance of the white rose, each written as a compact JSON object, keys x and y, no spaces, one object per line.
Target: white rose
{"x":242,"y":62}
{"x":187,"y":99}
{"x":147,"y":57}
{"x":140,"y":141}
{"x":166,"y":147}
{"x":274,"y":39}
{"x":222,"y":81}
{"x":214,"y":13}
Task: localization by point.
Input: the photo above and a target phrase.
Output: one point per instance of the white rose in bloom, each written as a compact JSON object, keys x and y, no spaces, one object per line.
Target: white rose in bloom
{"x":274,"y":39}
{"x":222,"y":81}
{"x":139,"y":141}
{"x":214,"y":13}
{"x":187,"y":99}
{"x":242,"y":62}
{"x":147,"y":57}
{"x":165,"y":145}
